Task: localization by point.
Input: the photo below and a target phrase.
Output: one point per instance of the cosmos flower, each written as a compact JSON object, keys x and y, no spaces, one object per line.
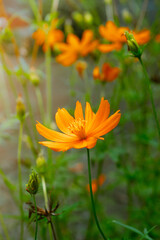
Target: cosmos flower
{"x":108,"y":73}
{"x":47,"y":36}
{"x":96,"y":183}
{"x":116,"y":38}
{"x":81,"y":67}
{"x":79,"y":131}
{"x":10,"y":20}
{"x":157,"y":38}
{"x":75,"y":47}
{"x":113,"y":34}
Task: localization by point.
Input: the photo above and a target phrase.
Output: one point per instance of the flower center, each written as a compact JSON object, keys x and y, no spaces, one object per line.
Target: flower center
{"x":77,"y":127}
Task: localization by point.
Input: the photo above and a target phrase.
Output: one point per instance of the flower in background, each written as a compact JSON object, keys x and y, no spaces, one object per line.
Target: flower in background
{"x":81,"y":67}
{"x":79,"y":132}
{"x":157,"y":38}
{"x":96,"y":183}
{"x":10,"y":20}
{"x":142,"y":37}
{"x":108,"y":73}
{"x":47,"y":35}
{"x":115,"y":35}
{"x":75,"y":47}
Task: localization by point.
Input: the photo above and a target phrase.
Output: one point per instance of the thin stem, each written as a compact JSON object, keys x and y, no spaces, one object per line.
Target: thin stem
{"x":49,"y":84}
{"x":151,"y":95}
{"x":92,"y":199}
{"x":47,"y":208}
{"x":45,"y":192}
{"x":40,"y":102}
{"x":35,"y":10}
{"x":34,"y":200}
{"x":4,"y":227}
{"x":20,"y":178}
{"x":53,"y":230}
{"x":30,"y":110}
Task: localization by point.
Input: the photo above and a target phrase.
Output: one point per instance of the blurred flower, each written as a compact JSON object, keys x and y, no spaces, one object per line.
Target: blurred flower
{"x":79,"y":132}
{"x":9,"y":20}
{"x":142,"y":37}
{"x":81,"y":67}
{"x":157,"y":38}
{"x":108,"y":73}
{"x":75,"y":48}
{"x":48,"y":36}
{"x":115,"y":35}
{"x":78,"y":167}
{"x":96,"y":183}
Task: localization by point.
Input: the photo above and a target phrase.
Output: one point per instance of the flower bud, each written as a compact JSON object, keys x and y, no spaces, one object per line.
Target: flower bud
{"x":20,"y":108}
{"x":34,"y":78}
{"x":126,"y":15}
{"x":88,"y":18}
{"x":33,"y":183}
{"x":81,"y":67}
{"x":77,"y":17}
{"x":133,"y":45}
{"x":41,"y":164}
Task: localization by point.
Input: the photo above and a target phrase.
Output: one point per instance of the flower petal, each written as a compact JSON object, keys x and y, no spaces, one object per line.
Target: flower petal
{"x":78,"y":113}
{"x":106,"y":126}
{"x":101,"y":115}
{"x":54,"y":135}
{"x":63,"y":120}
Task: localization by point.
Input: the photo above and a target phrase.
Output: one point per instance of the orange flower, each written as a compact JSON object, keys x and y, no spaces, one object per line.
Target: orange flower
{"x":81,"y":67}
{"x":79,"y":132}
{"x":9,"y":20}
{"x":96,"y":183}
{"x":157,"y":38}
{"x":108,"y":73}
{"x":142,"y":37}
{"x":48,"y":36}
{"x":113,"y":34}
{"x":116,"y":36}
{"x":75,"y":48}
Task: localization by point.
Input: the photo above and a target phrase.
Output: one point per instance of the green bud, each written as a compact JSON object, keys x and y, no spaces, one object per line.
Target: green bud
{"x":133,"y":46}
{"x":34,"y":78}
{"x":126,"y":15}
{"x":41,"y":164}
{"x":88,"y":18}
{"x":33,"y":183}
{"x":20,"y":108}
{"x":77,"y":17}
{"x":109,"y":2}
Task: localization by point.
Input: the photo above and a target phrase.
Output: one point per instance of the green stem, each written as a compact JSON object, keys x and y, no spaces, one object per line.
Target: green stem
{"x":151,"y":95}
{"x":30,"y":110}
{"x":92,"y":199}
{"x":35,"y":10}
{"x":20,"y":178}
{"x":40,"y":102}
{"x":34,"y":200}
{"x":4,"y":227}
{"x":49,"y":84}
{"x":51,"y":226}
{"x":45,"y":192}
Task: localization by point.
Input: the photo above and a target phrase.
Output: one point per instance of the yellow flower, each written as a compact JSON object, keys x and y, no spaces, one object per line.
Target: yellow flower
{"x":79,"y":131}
